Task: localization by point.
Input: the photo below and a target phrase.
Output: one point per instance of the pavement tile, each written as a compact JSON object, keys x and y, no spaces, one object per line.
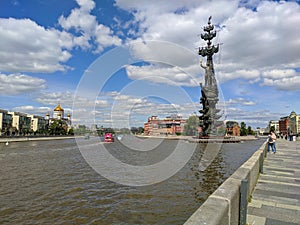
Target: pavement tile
{"x":256,"y":220}
{"x":276,"y":197}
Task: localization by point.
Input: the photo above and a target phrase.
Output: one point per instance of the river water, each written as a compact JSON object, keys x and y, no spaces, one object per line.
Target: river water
{"x":49,"y":182}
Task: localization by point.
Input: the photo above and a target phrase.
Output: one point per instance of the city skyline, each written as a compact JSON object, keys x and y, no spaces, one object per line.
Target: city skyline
{"x":49,"y":48}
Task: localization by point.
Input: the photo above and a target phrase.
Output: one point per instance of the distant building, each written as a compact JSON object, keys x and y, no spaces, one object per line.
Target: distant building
{"x":289,"y":124}
{"x":38,"y":123}
{"x":171,"y":125}
{"x":283,"y":125}
{"x":294,"y":123}
{"x":275,"y":124}
{"x":5,"y":123}
{"x":58,"y":114}
{"x":21,"y":123}
{"x":17,"y":123}
{"x":233,"y":128}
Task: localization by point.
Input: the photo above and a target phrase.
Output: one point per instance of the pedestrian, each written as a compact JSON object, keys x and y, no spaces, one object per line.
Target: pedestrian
{"x":273,"y":135}
{"x":270,"y":142}
{"x":291,"y":136}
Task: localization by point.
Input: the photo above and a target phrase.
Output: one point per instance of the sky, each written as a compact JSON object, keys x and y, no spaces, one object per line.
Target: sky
{"x":115,"y":63}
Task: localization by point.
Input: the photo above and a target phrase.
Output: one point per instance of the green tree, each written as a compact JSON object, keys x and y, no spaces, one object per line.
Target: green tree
{"x":191,"y":126}
{"x":134,"y":130}
{"x":250,"y":131}
{"x":71,"y":131}
{"x":124,"y":131}
{"x":244,"y":130}
{"x":141,"y":130}
{"x":57,"y":128}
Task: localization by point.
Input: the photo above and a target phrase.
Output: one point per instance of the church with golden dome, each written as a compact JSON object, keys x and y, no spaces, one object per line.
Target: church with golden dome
{"x":59,"y":114}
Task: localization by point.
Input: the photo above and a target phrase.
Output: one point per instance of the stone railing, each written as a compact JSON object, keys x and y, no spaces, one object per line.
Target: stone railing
{"x":224,"y":205}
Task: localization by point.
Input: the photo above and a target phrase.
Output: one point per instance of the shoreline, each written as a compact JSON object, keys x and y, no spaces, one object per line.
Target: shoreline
{"x":19,"y":139}
{"x":193,"y":139}
{"x":185,"y":138}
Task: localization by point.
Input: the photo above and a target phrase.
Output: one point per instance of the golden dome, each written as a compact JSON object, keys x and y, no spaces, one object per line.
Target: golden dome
{"x":58,"y":108}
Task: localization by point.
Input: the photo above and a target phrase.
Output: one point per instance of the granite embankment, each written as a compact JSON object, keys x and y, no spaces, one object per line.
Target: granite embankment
{"x":223,"y":206}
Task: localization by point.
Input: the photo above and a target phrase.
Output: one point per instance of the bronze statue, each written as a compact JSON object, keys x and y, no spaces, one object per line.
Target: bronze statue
{"x":209,"y":92}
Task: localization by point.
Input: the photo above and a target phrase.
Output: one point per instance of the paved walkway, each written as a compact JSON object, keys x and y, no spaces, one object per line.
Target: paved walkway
{"x":276,"y":198}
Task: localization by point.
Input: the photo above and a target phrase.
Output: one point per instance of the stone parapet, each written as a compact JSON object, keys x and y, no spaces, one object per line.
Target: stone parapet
{"x":222,"y":207}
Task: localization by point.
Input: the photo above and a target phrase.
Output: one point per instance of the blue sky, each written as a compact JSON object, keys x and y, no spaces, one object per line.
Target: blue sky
{"x":115,"y":63}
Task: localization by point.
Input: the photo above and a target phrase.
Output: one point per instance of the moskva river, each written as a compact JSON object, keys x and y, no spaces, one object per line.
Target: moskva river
{"x":49,"y":182}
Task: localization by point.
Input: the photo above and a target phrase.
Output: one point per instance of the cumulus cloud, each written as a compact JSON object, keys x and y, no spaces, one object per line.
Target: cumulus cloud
{"x":17,"y":84}
{"x":88,"y":29}
{"x":284,"y":84}
{"x":169,"y":75}
{"x":29,"y":47}
{"x":254,"y":41}
{"x":282,"y":79}
{"x":66,"y":99}
{"x":240,"y":101}
{"x":34,"y":110}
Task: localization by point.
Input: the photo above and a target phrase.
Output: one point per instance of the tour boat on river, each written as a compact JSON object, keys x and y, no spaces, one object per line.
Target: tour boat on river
{"x":108,"y":137}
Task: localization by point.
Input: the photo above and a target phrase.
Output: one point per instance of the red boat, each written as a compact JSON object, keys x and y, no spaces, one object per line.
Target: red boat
{"x":108,"y":137}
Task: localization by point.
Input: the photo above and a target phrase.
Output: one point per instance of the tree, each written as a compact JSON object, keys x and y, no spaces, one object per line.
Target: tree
{"x":57,"y":128}
{"x":134,"y":130}
{"x":141,"y":130}
{"x":250,"y":131}
{"x":191,"y":126}
{"x":244,"y":131}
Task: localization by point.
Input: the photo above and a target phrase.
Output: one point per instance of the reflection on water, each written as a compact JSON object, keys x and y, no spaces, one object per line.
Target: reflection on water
{"x":48,"y":182}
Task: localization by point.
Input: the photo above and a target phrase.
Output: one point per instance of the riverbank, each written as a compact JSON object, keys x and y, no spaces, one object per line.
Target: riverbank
{"x":17,"y":139}
{"x":186,"y":138}
{"x":194,"y":139}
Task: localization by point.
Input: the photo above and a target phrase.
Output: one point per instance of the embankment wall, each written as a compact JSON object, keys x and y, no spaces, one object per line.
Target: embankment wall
{"x":222,"y":207}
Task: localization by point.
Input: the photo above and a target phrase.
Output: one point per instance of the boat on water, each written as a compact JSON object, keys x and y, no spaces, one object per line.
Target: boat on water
{"x":120,"y":137}
{"x":108,"y":137}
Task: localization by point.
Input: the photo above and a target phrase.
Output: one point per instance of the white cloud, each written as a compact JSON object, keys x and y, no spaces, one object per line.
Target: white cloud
{"x":29,"y":109}
{"x":280,"y":73}
{"x":156,"y":74}
{"x":285,"y":84}
{"x":88,"y":29}
{"x":254,"y":41}
{"x":53,"y":98}
{"x":240,"y":101}
{"x":252,"y":75}
{"x":282,"y":79}
{"x":27,"y":46}
{"x":17,"y":84}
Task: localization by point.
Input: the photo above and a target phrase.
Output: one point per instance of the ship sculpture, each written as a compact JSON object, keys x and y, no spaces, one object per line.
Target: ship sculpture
{"x":209,"y":91}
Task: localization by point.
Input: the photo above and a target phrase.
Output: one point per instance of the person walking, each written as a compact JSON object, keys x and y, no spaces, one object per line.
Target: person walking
{"x":273,"y":135}
{"x":270,"y":142}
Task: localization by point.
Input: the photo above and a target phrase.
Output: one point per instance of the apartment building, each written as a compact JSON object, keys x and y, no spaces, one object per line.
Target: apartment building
{"x":275,"y":124}
{"x":21,"y":123}
{"x":170,"y":125}
{"x":5,"y":122}
{"x":38,"y":123}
